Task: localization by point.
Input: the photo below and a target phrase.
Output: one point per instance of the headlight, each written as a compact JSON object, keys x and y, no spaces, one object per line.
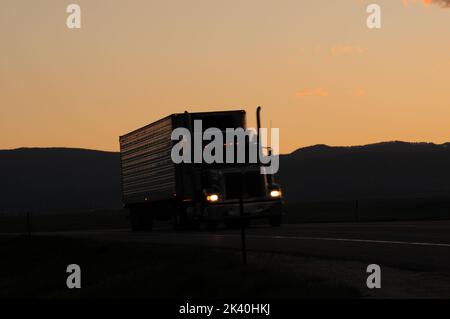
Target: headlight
{"x":212,"y":198}
{"x":275,"y":193}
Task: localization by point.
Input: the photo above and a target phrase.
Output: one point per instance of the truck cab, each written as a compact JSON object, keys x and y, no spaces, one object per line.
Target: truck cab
{"x":225,"y":188}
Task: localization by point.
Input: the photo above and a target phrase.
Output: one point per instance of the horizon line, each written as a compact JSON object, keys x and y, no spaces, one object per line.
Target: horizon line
{"x":295,"y":150}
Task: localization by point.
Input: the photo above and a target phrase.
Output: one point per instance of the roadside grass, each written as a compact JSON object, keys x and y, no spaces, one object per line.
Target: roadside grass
{"x":366,"y":210}
{"x":36,"y":268}
{"x":106,"y":219}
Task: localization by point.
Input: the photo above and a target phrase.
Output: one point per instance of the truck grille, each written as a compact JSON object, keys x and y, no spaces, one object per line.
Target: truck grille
{"x":253,"y":185}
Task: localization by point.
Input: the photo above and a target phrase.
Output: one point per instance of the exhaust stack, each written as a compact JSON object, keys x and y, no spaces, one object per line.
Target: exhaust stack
{"x":258,"y":127}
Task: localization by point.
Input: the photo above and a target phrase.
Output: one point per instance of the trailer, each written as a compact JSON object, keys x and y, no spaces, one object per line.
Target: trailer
{"x":189,"y":194}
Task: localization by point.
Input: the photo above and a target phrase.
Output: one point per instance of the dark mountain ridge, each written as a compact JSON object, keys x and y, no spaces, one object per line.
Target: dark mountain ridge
{"x":60,"y":179}
{"x":43,"y":179}
{"x":382,"y":170}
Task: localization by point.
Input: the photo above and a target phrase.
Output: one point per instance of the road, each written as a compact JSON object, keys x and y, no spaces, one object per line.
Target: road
{"x":423,"y":246}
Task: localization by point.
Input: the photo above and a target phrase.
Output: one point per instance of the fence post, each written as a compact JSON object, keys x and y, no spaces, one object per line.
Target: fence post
{"x":241,"y":215}
{"x":28,"y":224}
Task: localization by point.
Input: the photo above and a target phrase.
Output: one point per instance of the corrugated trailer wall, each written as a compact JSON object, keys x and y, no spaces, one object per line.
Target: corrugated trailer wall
{"x":147,"y":167}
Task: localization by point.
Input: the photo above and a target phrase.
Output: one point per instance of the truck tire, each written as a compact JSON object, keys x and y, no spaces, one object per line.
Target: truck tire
{"x":140,"y":220}
{"x":275,"y":221}
{"x":211,"y":225}
{"x":232,"y":224}
{"x":179,"y":220}
{"x":236,"y":223}
{"x":134,"y":221}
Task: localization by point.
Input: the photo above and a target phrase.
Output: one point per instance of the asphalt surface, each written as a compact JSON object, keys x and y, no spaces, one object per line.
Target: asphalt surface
{"x":423,"y":246}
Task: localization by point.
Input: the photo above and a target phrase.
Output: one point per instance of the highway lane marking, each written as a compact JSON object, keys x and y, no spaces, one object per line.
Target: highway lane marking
{"x":359,"y":240}
{"x":366,"y":225}
{"x":180,"y":235}
{"x":370,"y":241}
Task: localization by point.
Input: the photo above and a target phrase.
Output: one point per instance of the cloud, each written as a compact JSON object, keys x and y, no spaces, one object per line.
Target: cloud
{"x":312,"y":92}
{"x":347,"y":50}
{"x":360,"y":93}
{"x":441,"y":3}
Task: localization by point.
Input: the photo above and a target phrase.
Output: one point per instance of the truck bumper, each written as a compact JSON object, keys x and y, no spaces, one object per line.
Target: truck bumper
{"x":257,"y":209}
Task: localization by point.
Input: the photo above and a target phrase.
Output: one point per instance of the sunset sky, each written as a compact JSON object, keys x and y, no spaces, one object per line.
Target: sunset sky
{"x":320,"y":74}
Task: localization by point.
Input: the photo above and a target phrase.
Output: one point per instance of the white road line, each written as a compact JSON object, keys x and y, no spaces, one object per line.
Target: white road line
{"x":359,"y":240}
{"x":180,"y":235}
{"x":370,"y":241}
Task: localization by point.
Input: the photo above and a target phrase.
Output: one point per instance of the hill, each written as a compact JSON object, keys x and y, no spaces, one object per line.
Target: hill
{"x":58,"y":178}
{"x":55,"y":179}
{"x":382,"y":170}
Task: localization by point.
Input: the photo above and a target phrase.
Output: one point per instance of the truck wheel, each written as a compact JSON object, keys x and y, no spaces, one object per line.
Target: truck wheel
{"x":140,"y":221}
{"x":232,"y":224}
{"x":211,"y":225}
{"x":275,"y":221}
{"x":236,"y":223}
{"x":134,"y":220}
{"x":179,"y":220}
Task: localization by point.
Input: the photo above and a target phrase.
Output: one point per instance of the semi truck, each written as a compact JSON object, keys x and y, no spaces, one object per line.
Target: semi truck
{"x":154,"y":187}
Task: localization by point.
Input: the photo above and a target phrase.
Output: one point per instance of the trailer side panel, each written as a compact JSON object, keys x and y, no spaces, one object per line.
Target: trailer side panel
{"x":148,"y":173}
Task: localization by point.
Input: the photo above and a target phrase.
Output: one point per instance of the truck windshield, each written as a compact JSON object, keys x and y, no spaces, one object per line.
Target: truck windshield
{"x":222,"y":121}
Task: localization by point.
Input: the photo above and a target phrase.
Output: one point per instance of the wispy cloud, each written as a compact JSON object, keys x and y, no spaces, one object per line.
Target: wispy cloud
{"x":360,"y":93}
{"x":441,"y":3}
{"x":347,"y":50}
{"x":312,"y":92}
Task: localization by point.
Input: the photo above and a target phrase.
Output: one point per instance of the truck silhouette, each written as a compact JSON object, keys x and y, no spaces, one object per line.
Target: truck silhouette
{"x":155,"y":188}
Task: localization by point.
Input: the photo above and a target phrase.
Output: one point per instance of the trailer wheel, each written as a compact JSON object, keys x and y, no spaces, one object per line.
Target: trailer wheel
{"x":232,"y":224}
{"x":236,"y":223}
{"x":211,"y":225}
{"x":179,"y":220}
{"x":275,"y":221}
{"x":134,"y":221}
{"x":140,"y":220}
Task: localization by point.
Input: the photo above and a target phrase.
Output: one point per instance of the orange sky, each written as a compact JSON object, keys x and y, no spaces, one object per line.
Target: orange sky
{"x":319,"y":73}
